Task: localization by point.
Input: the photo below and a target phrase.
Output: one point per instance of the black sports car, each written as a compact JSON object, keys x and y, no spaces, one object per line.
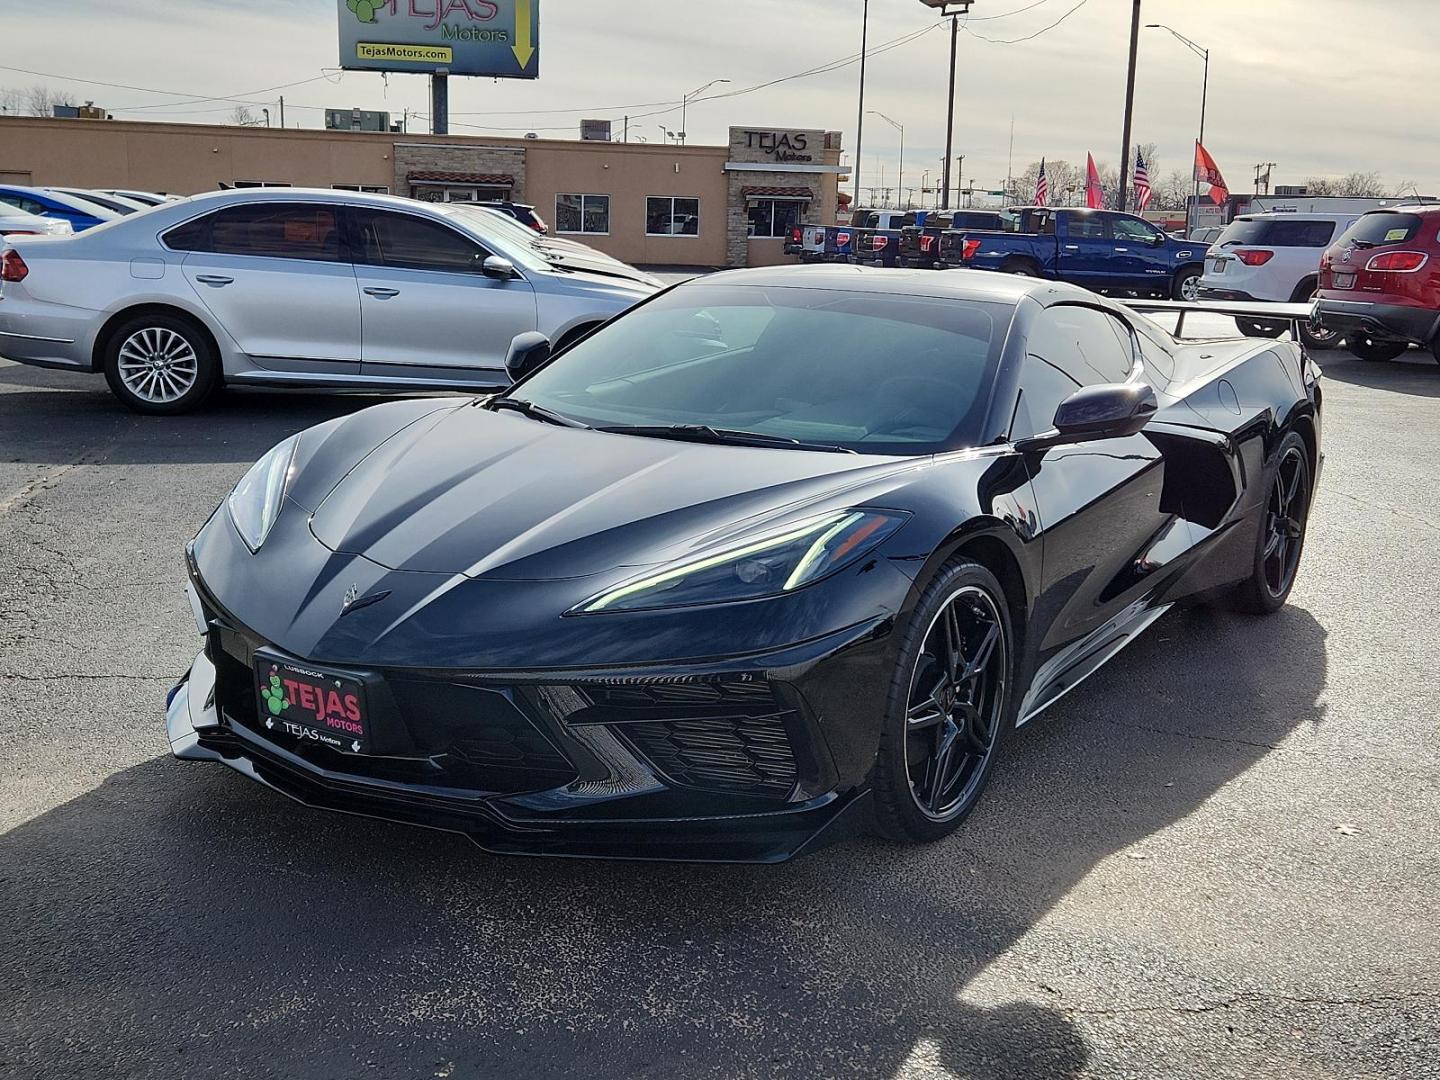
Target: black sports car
{"x":772,"y":551}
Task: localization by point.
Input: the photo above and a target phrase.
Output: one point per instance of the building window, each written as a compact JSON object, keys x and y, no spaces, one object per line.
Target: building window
{"x":582,"y":214}
{"x":464,"y":193}
{"x":367,"y":189}
{"x":668,"y":216}
{"x":774,"y":217}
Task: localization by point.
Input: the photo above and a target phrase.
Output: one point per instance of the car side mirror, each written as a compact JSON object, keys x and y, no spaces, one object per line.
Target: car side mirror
{"x":1157,"y":241}
{"x":528,"y":351}
{"x":1106,"y":411}
{"x":496,"y":267}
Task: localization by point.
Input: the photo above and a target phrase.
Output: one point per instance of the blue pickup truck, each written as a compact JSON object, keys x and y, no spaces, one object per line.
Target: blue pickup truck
{"x":1102,"y":250}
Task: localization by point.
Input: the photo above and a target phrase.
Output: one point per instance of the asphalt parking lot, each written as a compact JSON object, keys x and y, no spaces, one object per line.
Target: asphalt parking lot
{"x":1216,"y":858}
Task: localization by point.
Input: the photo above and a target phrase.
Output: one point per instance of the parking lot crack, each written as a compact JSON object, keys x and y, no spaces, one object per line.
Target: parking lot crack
{"x":1254,"y":997}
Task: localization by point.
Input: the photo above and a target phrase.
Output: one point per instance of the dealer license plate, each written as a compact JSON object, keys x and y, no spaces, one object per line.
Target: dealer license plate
{"x":1345,"y":281}
{"x":313,"y":705}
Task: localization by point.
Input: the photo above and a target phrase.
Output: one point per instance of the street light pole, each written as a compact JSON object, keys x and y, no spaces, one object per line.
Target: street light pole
{"x":860,"y":120}
{"x":1204,"y":54}
{"x":685,"y":108}
{"x":950,"y":114}
{"x":900,"y":179}
{"x":1129,"y":103}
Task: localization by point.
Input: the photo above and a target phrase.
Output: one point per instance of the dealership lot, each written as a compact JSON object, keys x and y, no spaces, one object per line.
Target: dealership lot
{"x":1215,"y":859}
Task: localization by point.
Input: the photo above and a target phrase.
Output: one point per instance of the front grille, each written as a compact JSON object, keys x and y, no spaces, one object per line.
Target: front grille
{"x":424,"y":731}
{"x":737,"y":753}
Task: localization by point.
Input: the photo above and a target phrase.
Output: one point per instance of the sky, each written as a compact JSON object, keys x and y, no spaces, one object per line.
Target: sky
{"x":1297,"y":82}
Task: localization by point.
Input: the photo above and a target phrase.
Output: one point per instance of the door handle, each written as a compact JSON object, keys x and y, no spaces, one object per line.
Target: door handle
{"x":382,"y":294}
{"x":214,"y":280}
{"x":1072,"y":247}
{"x":1122,"y":251}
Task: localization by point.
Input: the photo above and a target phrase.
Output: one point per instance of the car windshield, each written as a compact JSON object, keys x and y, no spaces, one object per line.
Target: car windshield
{"x":1383,"y":227}
{"x":491,"y":232}
{"x":1279,"y":232}
{"x":870,"y":372}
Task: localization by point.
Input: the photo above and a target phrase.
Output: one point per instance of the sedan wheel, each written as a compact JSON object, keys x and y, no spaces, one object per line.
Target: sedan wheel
{"x":160,"y":364}
{"x":950,"y":708}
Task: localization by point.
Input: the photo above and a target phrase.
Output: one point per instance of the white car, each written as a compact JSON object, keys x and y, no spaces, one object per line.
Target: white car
{"x":1274,"y":257}
{"x":292,"y":287}
{"x":17,"y":222}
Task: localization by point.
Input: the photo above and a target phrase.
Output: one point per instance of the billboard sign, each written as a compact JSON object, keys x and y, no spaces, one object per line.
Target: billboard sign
{"x":499,"y":38}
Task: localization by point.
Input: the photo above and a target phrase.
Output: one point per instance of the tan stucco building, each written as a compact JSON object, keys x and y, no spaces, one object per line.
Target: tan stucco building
{"x":642,"y":202}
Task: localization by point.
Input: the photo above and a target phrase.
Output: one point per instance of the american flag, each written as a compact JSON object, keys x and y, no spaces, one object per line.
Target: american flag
{"x":1142,"y":182}
{"x":1042,"y":187}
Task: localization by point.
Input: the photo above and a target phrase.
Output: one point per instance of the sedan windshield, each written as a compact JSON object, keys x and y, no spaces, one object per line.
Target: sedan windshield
{"x":871,"y":372}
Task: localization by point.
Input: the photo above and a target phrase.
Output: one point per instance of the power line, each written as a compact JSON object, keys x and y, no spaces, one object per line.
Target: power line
{"x":1026,"y":37}
{"x":189,"y":95}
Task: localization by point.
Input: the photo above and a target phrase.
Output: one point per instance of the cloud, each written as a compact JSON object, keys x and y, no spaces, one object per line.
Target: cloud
{"x":1289,"y":79}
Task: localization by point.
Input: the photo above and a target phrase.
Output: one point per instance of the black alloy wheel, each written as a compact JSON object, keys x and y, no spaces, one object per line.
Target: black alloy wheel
{"x":1262,"y":328}
{"x":1315,"y":338}
{"x":1282,"y":530}
{"x":951,"y":706}
{"x":1372,"y":348}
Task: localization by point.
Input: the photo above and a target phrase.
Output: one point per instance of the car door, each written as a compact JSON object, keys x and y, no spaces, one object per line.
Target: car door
{"x":1085,"y":249}
{"x":1140,"y":256}
{"x":1098,"y":501}
{"x":425,"y":299}
{"x":277,"y":278}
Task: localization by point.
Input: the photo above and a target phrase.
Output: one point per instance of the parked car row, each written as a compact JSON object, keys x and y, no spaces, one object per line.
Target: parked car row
{"x":295,"y":287}
{"x":81,"y":208}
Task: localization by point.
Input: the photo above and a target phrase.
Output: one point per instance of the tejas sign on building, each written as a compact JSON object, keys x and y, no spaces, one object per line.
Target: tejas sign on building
{"x":464,"y":37}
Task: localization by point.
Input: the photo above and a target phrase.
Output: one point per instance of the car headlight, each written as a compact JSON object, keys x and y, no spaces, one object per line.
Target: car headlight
{"x":255,"y":503}
{"x":769,"y":564}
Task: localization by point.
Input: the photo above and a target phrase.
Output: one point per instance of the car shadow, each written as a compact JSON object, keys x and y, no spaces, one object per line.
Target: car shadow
{"x":60,"y":416}
{"x":177,"y":920}
{"x":1416,"y":373}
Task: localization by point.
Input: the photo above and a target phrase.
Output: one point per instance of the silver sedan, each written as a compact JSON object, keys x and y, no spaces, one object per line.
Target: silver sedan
{"x":293,"y":287}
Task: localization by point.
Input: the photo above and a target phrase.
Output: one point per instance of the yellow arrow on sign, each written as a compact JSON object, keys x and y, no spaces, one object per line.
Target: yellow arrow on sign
{"x":523,"y":48}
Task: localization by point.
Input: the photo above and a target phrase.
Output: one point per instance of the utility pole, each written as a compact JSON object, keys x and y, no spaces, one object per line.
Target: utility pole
{"x":1262,"y":172}
{"x":1129,"y":104}
{"x":860,"y":121}
{"x":1010,"y":161}
{"x":440,"y":102}
{"x":627,"y":129}
{"x":959,"y":180}
{"x":282,"y":110}
{"x":950,"y":115}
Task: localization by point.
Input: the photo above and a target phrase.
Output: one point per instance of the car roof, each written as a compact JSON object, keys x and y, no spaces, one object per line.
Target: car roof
{"x":74,"y":202}
{"x":281,"y":194}
{"x":975,"y":285}
{"x":1291,"y":215}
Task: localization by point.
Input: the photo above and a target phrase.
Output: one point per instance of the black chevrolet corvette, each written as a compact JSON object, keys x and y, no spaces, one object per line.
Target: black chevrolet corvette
{"x":774,"y":554}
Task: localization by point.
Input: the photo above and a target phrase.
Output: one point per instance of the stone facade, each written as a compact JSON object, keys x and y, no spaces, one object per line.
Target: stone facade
{"x":436,"y":157}
{"x":808,"y":158}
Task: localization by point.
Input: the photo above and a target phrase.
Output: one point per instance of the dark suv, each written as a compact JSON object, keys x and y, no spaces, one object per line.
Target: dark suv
{"x":522,"y":213}
{"x":1380,"y":283}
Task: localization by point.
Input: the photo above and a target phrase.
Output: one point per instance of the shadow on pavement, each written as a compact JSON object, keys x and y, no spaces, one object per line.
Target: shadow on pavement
{"x":177,"y":921}
{"x":63,"y":415}
{"x":1417,"y":373}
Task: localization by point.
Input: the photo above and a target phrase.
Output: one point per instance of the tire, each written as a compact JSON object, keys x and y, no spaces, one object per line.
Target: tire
{"x":917,"y":728}
{"x":1369,"y":348}
{"x":1186,"y":284}
{"x":1314,"y":340}
{"x":1280,"y":542}
{"x":161,"y":364}
{"x":1261,"y":328}
{"x":1019,"y":267}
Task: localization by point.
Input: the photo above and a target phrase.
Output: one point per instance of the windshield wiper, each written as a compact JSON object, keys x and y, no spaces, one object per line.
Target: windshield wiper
{"x":536,"y":412}
{"x":727,"y":436}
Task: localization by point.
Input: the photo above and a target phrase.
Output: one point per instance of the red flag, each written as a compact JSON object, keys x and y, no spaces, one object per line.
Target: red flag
{"x":1094,"y":193}
{"x":1207,"y":172}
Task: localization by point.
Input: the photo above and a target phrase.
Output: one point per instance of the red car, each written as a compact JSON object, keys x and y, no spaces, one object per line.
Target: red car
{"x":1380,"y":283}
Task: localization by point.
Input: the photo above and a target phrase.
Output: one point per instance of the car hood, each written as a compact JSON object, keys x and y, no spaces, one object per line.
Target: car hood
{"x":564,"y":260}
{"x":504,"y":497}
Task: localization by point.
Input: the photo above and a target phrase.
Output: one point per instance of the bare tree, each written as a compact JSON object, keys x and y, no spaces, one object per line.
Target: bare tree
{"x":1173,"y":191}
{"x":243,"y":116}
{"x":1364,"y":185}
{"x":12,"y":101}
{"x":41,"y":100}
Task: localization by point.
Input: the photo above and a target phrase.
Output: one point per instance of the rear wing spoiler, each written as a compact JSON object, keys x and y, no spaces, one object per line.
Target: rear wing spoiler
{"x":1294,"y":314}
